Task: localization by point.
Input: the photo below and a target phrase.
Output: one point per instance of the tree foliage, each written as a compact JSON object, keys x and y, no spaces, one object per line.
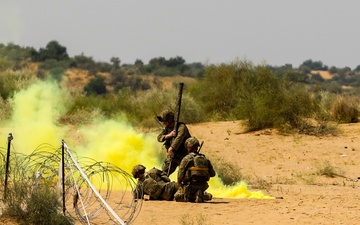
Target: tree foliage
{"x":96,"y":86}
{"x":314,"y":65}
{"x":53,"y":50}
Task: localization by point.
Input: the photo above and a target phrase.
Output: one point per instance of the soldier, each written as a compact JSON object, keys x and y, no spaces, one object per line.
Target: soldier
{"x":174,"y":141}
{"x":154,"y":183}
{"x":194,"y":172}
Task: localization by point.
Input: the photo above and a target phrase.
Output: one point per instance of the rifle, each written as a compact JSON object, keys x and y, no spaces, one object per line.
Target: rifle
{"x":200,"y":147}
{"x":177,"y":117}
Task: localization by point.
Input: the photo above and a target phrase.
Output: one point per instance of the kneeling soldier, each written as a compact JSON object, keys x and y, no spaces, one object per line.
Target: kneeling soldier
{"x":194,"y":172}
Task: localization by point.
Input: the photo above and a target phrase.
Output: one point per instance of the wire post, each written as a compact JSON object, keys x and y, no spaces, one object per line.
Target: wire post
{"x":63,"y":175}
{"x":10,"y":137}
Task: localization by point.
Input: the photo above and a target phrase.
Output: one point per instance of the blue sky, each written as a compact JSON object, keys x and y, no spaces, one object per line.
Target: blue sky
{"x":276,"y":32}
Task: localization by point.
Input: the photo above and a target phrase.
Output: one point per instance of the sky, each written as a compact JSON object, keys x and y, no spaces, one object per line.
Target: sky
{"x":276,"y":32}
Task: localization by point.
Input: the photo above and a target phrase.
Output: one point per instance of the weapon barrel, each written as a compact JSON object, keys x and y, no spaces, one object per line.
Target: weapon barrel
{"x":178,"y":106}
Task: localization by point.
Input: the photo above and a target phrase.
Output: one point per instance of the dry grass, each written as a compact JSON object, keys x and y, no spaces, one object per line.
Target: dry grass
{"x":198,"y":219}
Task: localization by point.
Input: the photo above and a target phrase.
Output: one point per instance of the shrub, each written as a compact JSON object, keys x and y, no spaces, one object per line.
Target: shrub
{"x":199,"y":219}
{"x":327,"y":170}
{"x":220,"y":90}
{"x":345,"y":110}
{"x":243,"y":91}
{"x":229,"y":173}
{"x":31,"y":205}
{"x":139,"y":107}
{"x":96,"y":86}
{"x":272,"y":102}
{"x":12,"y":81}
{"x":144,"y":106}
{"x":5,"y":110}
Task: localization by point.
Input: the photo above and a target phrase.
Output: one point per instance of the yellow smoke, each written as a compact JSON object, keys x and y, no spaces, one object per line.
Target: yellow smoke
{"x":118,"y":143}
{"x":34,"y":122}
{"x":239,"y":190}
{"x":35,"y":112}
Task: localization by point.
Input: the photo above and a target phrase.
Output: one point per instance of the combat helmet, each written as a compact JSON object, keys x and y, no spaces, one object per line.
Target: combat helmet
{"x":138,"y":169}
{"x":192,"y":142}
{"x":166,"y":115}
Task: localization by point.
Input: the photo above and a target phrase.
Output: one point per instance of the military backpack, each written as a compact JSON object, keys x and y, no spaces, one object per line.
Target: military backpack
{"x":199,"y":172}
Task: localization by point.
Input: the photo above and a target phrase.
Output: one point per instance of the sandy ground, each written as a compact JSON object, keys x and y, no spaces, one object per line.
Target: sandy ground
{"x":278,"y":165}
{"x":289,"y":165}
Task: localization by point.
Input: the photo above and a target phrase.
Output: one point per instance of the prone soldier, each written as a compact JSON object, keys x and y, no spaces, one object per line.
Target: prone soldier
{"x":154,"y":183}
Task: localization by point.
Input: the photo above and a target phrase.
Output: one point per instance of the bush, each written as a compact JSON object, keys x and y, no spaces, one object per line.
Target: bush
{"x":5,"y":110}
{"x":144,"y":106}
{"x":327,"y":170}
{"x":12,"y":81}
{"x":139,"y":107}
{"x":345,"y":110}
{"x":243,"y":91}
{"x":228,"y":173}
{"x":96,"y":86}
{"x":220,"y":91}
{"x":39,"y":205}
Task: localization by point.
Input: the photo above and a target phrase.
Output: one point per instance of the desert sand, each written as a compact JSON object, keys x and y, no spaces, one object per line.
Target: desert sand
{"x":289,"y":165}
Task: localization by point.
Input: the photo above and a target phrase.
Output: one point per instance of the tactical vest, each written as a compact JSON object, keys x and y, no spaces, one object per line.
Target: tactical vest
{"x":152,"y":187}
{"x":198,"y":169}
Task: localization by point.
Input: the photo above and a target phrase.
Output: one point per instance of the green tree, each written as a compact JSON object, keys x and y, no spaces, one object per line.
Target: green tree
{"x":96,"y":86}
{"x":174,"y":62}
{"x":333,"y":70}
{"x":139,"y":63}
{"x":314,"y":65}
{"x":115,"y":62}
{"x":53,"y":50}
{"x":84,"y":62}
{"x":157,"y":62}
{"x":357,"y":69}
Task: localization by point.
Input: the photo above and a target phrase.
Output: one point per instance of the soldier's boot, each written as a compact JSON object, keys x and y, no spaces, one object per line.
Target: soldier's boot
{"x":199,"y":197}
{"x":207,"y":196}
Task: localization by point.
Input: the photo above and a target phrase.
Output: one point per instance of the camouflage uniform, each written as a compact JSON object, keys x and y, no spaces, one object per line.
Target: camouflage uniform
{"x":157,"y":185}
{"x":190,"y":184}
{"x":176,"y":143}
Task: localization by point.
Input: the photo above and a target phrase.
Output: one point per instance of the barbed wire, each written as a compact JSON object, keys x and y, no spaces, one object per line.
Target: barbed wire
{"x":95,"y":192}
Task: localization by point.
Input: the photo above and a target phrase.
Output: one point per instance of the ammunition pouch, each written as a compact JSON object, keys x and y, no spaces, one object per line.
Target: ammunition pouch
{"x":183,"y":194}
{"x":198,"y":174}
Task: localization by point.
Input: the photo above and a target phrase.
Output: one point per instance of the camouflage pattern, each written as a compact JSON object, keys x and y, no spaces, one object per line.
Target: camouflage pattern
{"x":177,"y":143}
{"x":166,"y":115}
{"x":170,"y":165}
{"x":186,"y":163}
{"x":192,"y":142}
{"x":187,"y":193}
{"x":169,"y":191}
{"x":189,"y":185}
{"x":136,"y":169}
{"x":157,"y":185}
